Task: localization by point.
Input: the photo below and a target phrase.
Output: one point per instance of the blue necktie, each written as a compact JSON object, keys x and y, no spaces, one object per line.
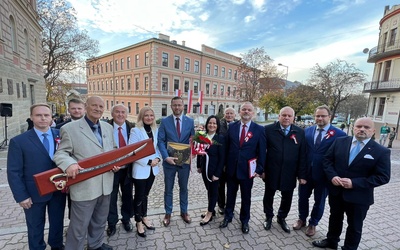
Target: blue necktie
{"x":46,"y":143}
{"x":354,"y":152}
{"x":284,"y":130}
{"x":319,"y":138}
{"x":97,"y":133}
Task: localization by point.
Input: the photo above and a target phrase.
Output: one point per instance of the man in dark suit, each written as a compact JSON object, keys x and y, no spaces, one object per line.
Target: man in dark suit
{"x":354,"y":166}
{"x":28,"y":154}
{"x":319,"y":138}
{"x":245,"y":142}
{"x":122,"y":129}
{"x":76,"y":110}
{"x":286,"y":161}
{"x":175,"y":128}
{"x":229,"y":117}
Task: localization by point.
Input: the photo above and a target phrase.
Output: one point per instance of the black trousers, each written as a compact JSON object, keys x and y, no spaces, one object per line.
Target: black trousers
{"x":142,"y":190}
{"x":221,"y":190}
{"x":212,"y":191}
{"x":284,"y":208}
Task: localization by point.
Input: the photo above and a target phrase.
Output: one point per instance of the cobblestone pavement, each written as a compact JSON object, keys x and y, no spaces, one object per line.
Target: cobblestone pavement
{"x":381,"y":228}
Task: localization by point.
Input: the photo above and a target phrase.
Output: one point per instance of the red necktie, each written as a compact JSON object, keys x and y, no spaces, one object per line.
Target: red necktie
{"x":243,"y":134}
{"x":121,"y":140}
{"x":178,"y":127}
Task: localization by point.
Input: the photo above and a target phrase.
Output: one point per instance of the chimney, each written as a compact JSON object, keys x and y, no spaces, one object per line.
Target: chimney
{"x":183,"y":43}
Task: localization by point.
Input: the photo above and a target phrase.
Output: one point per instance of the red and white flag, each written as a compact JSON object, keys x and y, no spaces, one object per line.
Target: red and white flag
{"x":177,"y":92}
{"x":189,"y":102}
{"x":201,"y":101}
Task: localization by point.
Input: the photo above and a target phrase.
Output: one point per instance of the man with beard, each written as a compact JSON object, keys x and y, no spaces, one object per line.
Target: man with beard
{"x":76,"y":110}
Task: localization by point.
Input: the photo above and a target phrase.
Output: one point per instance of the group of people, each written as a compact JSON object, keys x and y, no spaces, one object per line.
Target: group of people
{"x":320,"y":158}
{"x":385,"y":133}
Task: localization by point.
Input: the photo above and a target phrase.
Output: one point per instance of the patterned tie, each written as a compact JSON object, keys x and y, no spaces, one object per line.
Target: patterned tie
{"x":242,"y":135}
{"x":97,"y":133}
{"x":354,"y":152}
{"x":46,"y":143}
{"x":285,"y":132}
{"x":178,"y":127}
{"x":121,"y":139}
{"x":319,"y":138}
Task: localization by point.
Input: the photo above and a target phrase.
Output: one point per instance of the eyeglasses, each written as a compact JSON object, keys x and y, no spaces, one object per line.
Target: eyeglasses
{"x":176,"y":105}
{"x":321,"y":116}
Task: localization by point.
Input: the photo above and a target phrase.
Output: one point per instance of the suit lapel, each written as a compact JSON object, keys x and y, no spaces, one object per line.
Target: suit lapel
{"x":87,"y":132}
{"x":365,"y":150}
{"x":36,"y":141}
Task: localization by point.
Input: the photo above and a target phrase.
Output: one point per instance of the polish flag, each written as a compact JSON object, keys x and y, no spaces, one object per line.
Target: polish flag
{"x":177,"y":92}
{"x":190,"y":95}
{"x":201,"y":101}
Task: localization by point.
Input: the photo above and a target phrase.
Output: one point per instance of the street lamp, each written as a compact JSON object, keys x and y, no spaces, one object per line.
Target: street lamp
{"x":287,"y":73}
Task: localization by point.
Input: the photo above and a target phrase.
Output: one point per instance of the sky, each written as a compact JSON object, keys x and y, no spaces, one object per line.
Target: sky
{"x":296,"y":33}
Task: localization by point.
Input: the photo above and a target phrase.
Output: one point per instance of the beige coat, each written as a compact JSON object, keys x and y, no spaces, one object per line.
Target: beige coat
{"x":79,"y":142}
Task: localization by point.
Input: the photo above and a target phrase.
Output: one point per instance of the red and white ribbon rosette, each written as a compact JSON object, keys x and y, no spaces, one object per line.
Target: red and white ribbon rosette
{"x":330,"y":133}
{"x":293,"y":137}
{"x":248,"y":136}
{"x":57,"y":141}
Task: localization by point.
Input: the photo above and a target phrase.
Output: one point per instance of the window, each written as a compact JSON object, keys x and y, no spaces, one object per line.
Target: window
{"x":208,"y":69}
{"x":235,"y":77}
{"x":137,"y":60}
{"x":206,"y":109}
{"x":111,"y":85}
{"x":27,"y":47}
{"x":13,"y":34}
{"x":176,"y":84}
{"x":146,"y":59}
{"x":222,"y":89}
{"x":107,"y":104}
{"x":116,"y":84}
{"x":215,"y":70}
{"x":164,"y":84}
{"x":229,"y":74}
{"x":116,"y":65}
{"x":128,"y":62}
{"x":111,"y":66}
{"x":234,"y":92}
{"x":228,"y":93}
{"x":137,"y":108}
{"x":381,"y":107}
{"x":129,"y":108}
{"x":393,"y":34}
{"x":164,"y":59}
{"x":373,"y":106}
{"x":97,"y":69}
{"x":223,"y":72}
{"x":146,"y":83}
{"x":187,"y":64}
{"x":106,"y":85}
{"x":93,"y":70}
{"x":102,"y":86}
{"x":101,"y":68}
{"x":196,"y":66}
{"x":215,"y":89}
{"x":176,"y":62}
{"x":137,"y":83}
{"x":164,"y":110}
{"x":106,"y":67}
{"x":186,"y":86}
{"x":122,"y":84}
{"x":129,"y":84}
{"x":196,"y":87}
{"x":386,"y":72}
{"x":207,"y":88}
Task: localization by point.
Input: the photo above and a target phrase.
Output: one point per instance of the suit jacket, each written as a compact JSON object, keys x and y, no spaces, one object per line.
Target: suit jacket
{"x":79,"y":142}
{"x":27,"y":156}
{"x":370,"y":169}
{"x":315,"y":156}
{"x":141,"y":170}
{"x":237,"y":158}
{"x":167,"y":133}
{"x":224,"y":126}
{"x":286,"y":157}
{"x":216,"y":154}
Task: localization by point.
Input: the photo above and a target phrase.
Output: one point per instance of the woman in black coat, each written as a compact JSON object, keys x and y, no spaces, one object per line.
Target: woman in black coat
{"x":212,"y":171}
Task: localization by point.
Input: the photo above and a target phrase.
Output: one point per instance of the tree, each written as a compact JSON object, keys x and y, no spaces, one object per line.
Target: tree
{"x":254,"y":66}
{"x":355,"y":106}
{"x":303,"y":99}
{"x":65,"y":46}
{"x":336,"y":82}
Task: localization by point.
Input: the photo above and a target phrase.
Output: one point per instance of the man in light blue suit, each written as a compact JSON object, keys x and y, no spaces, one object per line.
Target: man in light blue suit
{"x":175,"y":128}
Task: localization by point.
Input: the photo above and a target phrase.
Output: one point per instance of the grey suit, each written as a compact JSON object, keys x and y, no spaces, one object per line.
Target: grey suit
{"x":90,"y":198}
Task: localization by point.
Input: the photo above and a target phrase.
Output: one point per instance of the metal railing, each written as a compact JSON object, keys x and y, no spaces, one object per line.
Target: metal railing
{"x":378,"y":85}
{"x":382,"y":48}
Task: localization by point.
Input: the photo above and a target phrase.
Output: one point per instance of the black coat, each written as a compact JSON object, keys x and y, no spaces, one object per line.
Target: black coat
{"x":216,"y":154}
{"x":286,"y":157}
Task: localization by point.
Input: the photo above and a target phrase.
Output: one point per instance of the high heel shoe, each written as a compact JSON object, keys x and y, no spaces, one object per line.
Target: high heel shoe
{"x":148,"y":227}
{"x":143,"y":235}
{"x":204,"y":215}
{"x":203,"y":223}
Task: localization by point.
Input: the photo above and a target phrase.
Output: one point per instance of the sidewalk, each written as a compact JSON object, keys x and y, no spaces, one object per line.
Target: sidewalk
{"x":381,"y":227}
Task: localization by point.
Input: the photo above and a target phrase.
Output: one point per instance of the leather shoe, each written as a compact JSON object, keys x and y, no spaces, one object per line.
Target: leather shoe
{"x":167,"y":220}
{"x":310,"y":231}
{"x":186,"y":218}
{"x":141,"y":234}
{"x":103,"y":247}
{"x":111,"y":230}
{"x":325,"y":243}
{"x":224,"y":223}
{"x":284,"y":225}
{"x":267,"y":224}
{"x":245,"y":228}
{"x":221,"y":210}
{"x":299,"y":224}
{"x":128,"y":226}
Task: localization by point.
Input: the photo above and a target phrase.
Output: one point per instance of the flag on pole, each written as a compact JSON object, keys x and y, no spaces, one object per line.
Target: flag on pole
{"x":189,"y":106}
{"x":177,"y":92}
{"x":201,"y":101}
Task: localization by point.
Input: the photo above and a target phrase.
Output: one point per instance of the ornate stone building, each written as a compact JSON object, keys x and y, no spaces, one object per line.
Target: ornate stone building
{"x":21,"y":80}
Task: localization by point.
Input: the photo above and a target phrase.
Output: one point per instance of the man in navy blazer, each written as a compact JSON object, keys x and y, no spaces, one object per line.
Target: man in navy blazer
{"x":319,"y":138}
{"x":175,"y":128}
{"x":354,"y":166}
{"x":240,"y":152}
{"x":27,"y":156}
